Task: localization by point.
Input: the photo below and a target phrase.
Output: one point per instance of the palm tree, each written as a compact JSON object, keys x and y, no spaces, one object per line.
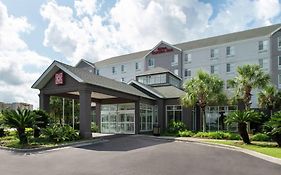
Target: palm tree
{"x":19,"y":119}
{"x":273,"y":126}
{"x":249,"y":77}
{"x":203,"y":90}
{"x":268,"y":97}
{"x":241,"y":118}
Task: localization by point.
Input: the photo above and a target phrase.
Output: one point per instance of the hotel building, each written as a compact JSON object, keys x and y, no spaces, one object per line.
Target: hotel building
{"x":130,"y":93}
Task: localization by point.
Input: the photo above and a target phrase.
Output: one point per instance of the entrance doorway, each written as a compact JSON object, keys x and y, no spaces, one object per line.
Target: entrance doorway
{"x":118,"y":118}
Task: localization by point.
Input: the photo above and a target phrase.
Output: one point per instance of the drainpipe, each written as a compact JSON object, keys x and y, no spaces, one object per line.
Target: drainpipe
{"x":62,"y":111}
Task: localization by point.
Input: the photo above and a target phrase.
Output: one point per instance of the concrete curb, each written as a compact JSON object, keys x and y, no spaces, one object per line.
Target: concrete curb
{"x":72,"y":144}
{"x":234,"y":148}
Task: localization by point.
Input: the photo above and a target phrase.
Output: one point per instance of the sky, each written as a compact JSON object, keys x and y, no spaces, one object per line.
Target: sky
{"x":34,"y":33}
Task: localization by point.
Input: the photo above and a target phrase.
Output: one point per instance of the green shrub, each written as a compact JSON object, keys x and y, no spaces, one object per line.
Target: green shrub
{"x":185,"y":133}
{"x":260,"y":137}
{"x":218,"y":135}
{"x":176,"y":126}
{"x":57,"y":133}
{"x":94,"y":127}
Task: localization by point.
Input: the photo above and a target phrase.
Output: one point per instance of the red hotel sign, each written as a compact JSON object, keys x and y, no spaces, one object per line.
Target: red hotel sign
{"x":59,"y":78}
{"x":160,"y":50}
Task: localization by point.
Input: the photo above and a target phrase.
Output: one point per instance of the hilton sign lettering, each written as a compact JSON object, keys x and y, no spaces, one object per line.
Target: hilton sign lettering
{"x":160,"y":50}
{"x":59,"y":78}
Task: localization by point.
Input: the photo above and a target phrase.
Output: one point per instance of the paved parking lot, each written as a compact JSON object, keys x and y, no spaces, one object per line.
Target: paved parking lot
{"x":137,"y":155}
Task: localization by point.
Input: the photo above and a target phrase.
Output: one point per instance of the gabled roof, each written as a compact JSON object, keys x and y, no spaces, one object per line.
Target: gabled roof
{"x":206,"y":42}
{"x":162,"y":42}
{"x":157,"y":70}
{"x":87,"y":62}
{"x":83,"y":76}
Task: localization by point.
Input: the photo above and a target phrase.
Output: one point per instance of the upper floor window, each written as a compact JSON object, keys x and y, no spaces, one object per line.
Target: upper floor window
{"x":113,"y":70}
{"x":214,"y":53}
{"x":263,"y":45}
{"x":228,"y":67}
{"x":279,"y":42}
{"x":187,"y":73}
{"x":175,"y":60}
{"x":214,"y":69}
{"x":279,"y":80}
{"x":279,"y":61}
{"x":151,"y":62}
{"x":230,"y":51}
{"x":98,"y":72}
{"x":137,"y":66}
{"x":176,"y":71}
{"x":123,"y":68}
{"x":187,"y":57}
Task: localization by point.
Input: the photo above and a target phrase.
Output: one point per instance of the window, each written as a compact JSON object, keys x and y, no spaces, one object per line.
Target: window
{"x":173,"y":112}
{"x":113,"y":70}
{"x":153,"y":79}
{"x":213,"y":69}
{"x":229,"y":51}
{"x":137,"y":66}
{"x":147,"y":115}
{"x":176,"y":71}
{"x":187,"y":57}
{"x":175,"y":60}
{"x":123,"y":68}
{"x":263,"y":45}
{"x":151,"y":62}
{"x":279,"y":80}
{"x":279,"y":42}
{"x":279,"y":61}
{"x":98,"y":72}
{"x":122,"y":79}
{"x":228,"y":67}
{"x":227,"y":84}
{"x":214,"y":53}
{"x":261,"y":62}
{"x":187,"y":73}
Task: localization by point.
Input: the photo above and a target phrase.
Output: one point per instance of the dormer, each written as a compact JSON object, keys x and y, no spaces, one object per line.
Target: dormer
{"x":84,"y":64}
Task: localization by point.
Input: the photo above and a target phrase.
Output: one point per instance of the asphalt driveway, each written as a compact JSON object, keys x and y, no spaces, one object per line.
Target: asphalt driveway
{"x":137,"y":155}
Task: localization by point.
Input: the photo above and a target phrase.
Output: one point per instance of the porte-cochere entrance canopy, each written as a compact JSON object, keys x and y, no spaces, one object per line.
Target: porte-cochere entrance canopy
{"x":70,"y":82}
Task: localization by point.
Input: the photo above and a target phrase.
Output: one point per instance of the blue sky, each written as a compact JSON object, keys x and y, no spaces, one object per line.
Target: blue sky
{"x":33,"y":33}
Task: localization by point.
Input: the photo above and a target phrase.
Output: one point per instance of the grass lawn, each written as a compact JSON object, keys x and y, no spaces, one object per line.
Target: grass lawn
{"x":268,"y":148}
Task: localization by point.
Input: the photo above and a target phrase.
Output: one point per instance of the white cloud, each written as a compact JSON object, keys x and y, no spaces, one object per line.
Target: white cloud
{"x":85,"y":7}
{"x":17,"y":59}
{"x":140,"y":24}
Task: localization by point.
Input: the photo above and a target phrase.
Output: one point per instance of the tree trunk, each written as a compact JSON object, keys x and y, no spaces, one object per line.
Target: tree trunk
{"x":22,"y":135}
{"x":277,"y":138}
{"x":2,"y":133}
{"x":242,"y":129}
{"x":204,"y":120}
{"x":36,"y":132}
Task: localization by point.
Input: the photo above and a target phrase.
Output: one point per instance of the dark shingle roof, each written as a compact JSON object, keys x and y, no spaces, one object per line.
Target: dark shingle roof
{"x":170,"y":91}
{"x":231,"y":37}
{"x":101,"y":81}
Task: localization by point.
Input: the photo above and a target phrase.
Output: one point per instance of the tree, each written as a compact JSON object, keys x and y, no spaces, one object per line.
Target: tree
{"x":19,"y":119}
{"x":241,"y":118}
{"x":41,"y":121}
{"x":203,"y":90}
{"x":249,"y":77}
{"x":273,"y":127}
{"x":269,"y":97}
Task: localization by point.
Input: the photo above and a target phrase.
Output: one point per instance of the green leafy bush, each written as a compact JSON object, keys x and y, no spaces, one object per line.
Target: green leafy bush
{"x":260,"y":137}
{"x":57,"y":133}
{"x":273,"y":127}
{"x":94,"y":127}
{"x":185,"y":133}
{"x":176,"y":126}
{"x":218,"y":135}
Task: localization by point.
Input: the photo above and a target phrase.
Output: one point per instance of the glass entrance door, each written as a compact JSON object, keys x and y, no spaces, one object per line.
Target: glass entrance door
{"x":118,"y":118}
